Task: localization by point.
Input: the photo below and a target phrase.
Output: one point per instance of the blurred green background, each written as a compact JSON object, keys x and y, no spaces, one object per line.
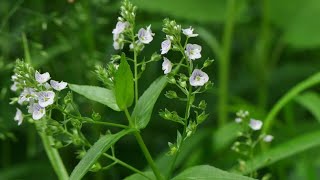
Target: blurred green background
{"x":273,"y":45}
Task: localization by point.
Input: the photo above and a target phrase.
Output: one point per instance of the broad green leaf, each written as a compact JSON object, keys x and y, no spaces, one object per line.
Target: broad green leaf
{"x":311,"y":101}
{"x":123,"y":85}
{"x":203,"y":11}
{"x":311,"y":81}
{"x":206,"y":172}
{"x":101,"y":146}
{"x":140,"y":177}
{"x":297,"y":20}
{"x":143,"y":110}
{"x":285,"y":150}
{"x":98,"y":94}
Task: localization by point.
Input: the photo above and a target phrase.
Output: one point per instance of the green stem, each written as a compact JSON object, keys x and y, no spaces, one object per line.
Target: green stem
{"x":54,"y":157}
{"x":136,"y":77}
{"x":144,"y":149}
{"x":118,"y":161}
{"x":26,"y":49}
{"x":263,"y":47}
{"x":107,"y":124}
{"x":224,"y":63}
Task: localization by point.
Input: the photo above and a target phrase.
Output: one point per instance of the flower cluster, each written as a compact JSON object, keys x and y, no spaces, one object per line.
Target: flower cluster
{"x":186,"y":82}
{"x":124,"y":30}
{"x":247,"y":137}
{"x":36,"y":91}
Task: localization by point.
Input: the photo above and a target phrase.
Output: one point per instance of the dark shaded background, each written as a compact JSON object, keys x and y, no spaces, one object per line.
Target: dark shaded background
{"x":275,"y":45}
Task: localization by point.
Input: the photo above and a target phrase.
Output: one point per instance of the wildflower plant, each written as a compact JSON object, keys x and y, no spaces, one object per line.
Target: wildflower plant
{"x":249,"y":136}
{"x":39,"y":97}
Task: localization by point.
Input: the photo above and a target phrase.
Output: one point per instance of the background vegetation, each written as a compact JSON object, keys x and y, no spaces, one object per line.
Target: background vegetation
{"x":262,"y":50}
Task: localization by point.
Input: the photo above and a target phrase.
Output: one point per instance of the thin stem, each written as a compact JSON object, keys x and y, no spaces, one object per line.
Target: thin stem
{"x":107,"y":124}
{"x":118,"y":161}
{"x":144,"y":148}
{"x":54,"y":157}
{"x":136,"y":77}
{"x":224,"y":63}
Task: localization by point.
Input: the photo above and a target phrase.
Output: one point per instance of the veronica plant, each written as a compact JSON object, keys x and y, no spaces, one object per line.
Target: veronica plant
{"x":41,"y":97}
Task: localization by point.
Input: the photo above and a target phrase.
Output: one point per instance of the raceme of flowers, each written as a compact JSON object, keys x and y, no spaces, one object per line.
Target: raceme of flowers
{"x":37,"y":98}
{"x":192,"y":52}
{"x":254,"y":124}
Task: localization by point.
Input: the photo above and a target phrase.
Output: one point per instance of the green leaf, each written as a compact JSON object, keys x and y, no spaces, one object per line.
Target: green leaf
{"x":101,"y":146}
{"x":140,"y":177}
{"x":297,"y":20}
{"x":203,"y":11}
{"x":311,"y":101}
{"x":311,"y":81}
{"x":123,"y":85}
{"x":98,"y":94}
{"x":143,"y":110}
{"x":285,"y":150}
{"x":206,"y":172}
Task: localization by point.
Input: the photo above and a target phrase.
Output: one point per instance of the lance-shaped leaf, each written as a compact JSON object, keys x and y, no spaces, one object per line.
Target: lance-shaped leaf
{"x":206,"y":172}
{"x":123,"y":85}
{"x":98,"y":94}
{"x":143,"y":110}
{"x":101,"y":146}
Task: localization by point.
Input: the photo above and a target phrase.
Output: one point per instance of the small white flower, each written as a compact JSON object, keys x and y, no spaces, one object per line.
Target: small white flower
{"x":46,"y":98}
{"x":145,"y":35}
{"x":238,"y":120}
{"x":14,"y":77}
{"x":166,"y":65}
{"x":198,"y":78}
{"x":27,"y":95}
{"x":38,"y":112}
{"x":120,"y":27}
{"x":268,"y":138}
{"x":58,"y":85}
{"x":118,"y":41}
{"x":189,"y":32}
{"x":193,"y":51}
{"x":165,"y":46}
{"x":18,"y":117}
{"x":255,"y":124}
{"x":42,"y":78}
{"x":14,"y":87}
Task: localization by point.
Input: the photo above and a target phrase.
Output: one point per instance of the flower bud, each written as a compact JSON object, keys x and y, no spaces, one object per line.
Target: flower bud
{"x":171,"y":94}
{"x":155,"y":57}
{"x":207,"y":63}
{"x":96,"y":116}
{"x":171,"y":79}
{"x":202,"y":105}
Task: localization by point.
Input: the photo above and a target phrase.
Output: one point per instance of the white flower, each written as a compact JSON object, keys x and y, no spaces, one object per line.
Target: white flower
{"x":166,"y":65}
{"x":238,"y":120}
{"x":189,"y":32}
{"x":145,"y":35}
{"x":198,"y":78}
{"x":255,"y":124}
{"x":165,"y":46}
{"x":45,"y":98}
{"x":37,"y":111}
{"x":42,"y":78}
{"x":193,"y":51}
{"x":18,"y":117}
{"x":58,"y":85}
{"x":120,"y":27}
{"x":136,"y":44}
{"x":26,"y":95}
{"x":118,"y":41}
{"x":14,"y":77}
{"x":268,"y":138}
{"x":14,"y":86}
